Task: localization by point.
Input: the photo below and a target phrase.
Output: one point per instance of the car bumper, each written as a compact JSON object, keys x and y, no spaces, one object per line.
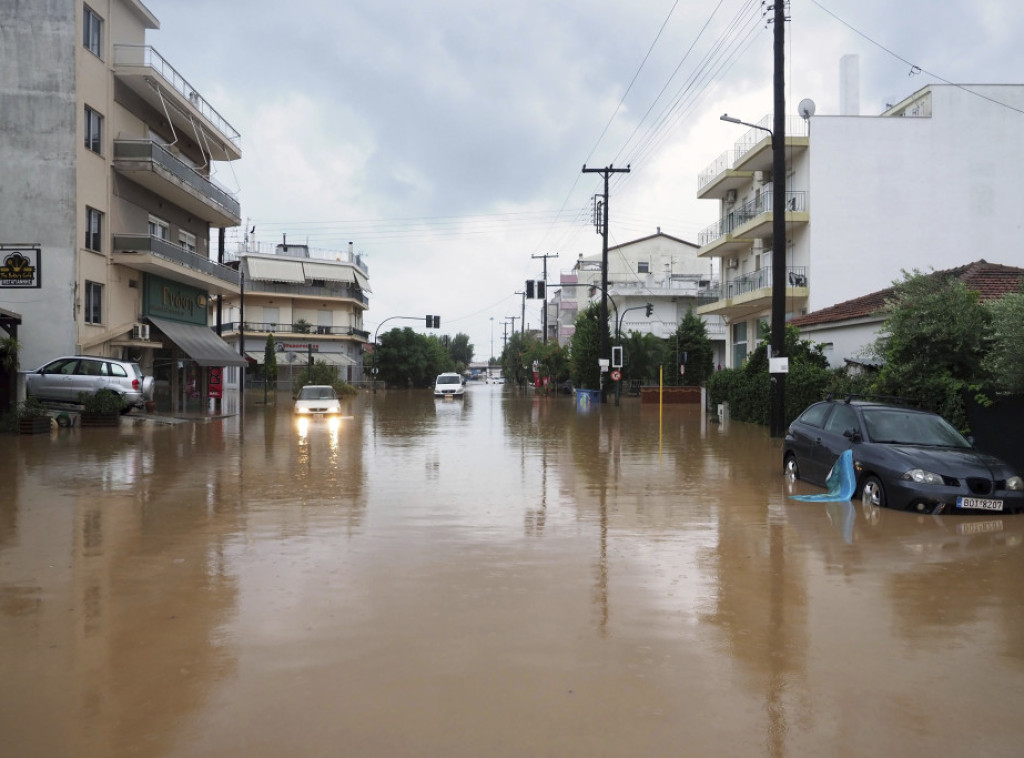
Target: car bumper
{"x":915,"y":497}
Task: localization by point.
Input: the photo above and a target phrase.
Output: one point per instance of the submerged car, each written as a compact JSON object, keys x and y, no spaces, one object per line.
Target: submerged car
{"x":69,"y":378}
{"x":449,"y":384}
{"x":903,"y":458}
{"x":317,"y":400}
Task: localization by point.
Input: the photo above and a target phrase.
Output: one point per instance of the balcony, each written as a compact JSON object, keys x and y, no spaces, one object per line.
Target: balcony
{"x":153,"y":255}
{"x":333,"y":290}
{"x":752,"y":293}
{"x":753,"y":152}
{"x":156,"y":168}
{"x":157,"y":82}
{"x":753,"y":220}
{"x":257,"y":327}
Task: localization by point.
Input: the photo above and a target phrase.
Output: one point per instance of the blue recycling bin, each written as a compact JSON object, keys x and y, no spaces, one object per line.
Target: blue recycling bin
{"x":587,"y":399}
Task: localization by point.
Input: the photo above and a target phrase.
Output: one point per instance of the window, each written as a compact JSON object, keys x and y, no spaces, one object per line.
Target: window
{"x":643,"y":267}
{"x":159,"y":228}
{"x":843,"y":419}
{"x":92,"y":32}
{"x":93,"y":130}
{"x":93,"y":303}
{"x":187,"y":240}
{"x":93,"y":230}
{"x":739,"y":344}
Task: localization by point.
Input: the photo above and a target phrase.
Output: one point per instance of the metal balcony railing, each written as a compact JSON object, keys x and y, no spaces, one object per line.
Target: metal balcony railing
{"x":341,"y":290}
{"x":161,"y":248}
{"x":795,"y":127}
{"x":763,"y":203}
{"x":147,"y":150}
{"x":146,"y":56}
{"x":796,"y":276}
{"x":262,"y":327}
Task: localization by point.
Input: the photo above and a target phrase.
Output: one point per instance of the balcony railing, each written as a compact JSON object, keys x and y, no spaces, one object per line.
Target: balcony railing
{"x":796,"y":276}
{"x":161,"y":248}
{"x":251,"y":247}
{"x":341,"y":290}
{"x":147,"y":150}
{"x":313,"y":330}
{"x":795,"y":127}
{"x":146,"y":56}
{"x":763,"y":203}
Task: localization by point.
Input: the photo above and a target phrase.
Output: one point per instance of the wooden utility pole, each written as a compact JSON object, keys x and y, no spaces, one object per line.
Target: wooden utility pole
{"x":777,"y":389}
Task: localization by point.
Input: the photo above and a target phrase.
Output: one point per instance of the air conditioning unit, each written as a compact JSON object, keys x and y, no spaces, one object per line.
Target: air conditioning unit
{"x":734,"y":263}
{"x":140,"y":332}
{"x":730,"y":196}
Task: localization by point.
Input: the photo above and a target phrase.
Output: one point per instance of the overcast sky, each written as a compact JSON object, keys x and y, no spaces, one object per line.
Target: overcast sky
{"x":445,"y":138}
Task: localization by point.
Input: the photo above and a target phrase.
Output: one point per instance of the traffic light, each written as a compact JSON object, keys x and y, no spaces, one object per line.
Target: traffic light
{"x":529,"y":289}
{"x":617,"y":356}
{"x":430,"y":321}
{"x":649,"y":310}
{"x":437,"y":322}
{"x":540,"y":289}
{"x":433,"y":322}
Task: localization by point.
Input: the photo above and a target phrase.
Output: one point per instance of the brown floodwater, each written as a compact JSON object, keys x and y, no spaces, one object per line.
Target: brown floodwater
{"x":504,"y":575}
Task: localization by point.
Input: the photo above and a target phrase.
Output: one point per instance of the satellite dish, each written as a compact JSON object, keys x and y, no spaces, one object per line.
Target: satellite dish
{"x":806,"y":108}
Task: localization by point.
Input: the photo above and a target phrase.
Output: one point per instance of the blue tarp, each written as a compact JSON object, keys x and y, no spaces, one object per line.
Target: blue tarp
{"x":841,"y":482}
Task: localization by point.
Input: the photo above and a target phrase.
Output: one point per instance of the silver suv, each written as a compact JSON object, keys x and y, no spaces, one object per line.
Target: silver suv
{"x":66,"y":379}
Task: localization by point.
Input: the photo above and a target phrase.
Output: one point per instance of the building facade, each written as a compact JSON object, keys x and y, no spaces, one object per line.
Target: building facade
{"x":108,"y":202}
{"x":312,"y":302}
{"x":924,"y":185}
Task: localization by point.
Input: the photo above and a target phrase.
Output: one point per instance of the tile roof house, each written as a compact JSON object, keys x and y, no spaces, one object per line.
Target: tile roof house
{"x":848,"y":327}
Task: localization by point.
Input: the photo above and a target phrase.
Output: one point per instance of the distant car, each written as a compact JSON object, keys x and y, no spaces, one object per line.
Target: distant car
{"x":317,"y":400}
{"x":67,"y":379}
{"x":903,"y":458}
{"x":449,"y":384}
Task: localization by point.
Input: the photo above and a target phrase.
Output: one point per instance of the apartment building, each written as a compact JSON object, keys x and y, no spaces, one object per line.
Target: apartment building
{"x":927,"y":184}
{"x":311,"y":300}
{"x":109,"y":200}
{"x":658,"y":269}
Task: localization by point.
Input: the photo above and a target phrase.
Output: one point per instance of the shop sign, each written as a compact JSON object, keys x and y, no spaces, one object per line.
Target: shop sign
{"x":19,"y":267}
{"x":214,"y":381}
{"x":172,"y":300}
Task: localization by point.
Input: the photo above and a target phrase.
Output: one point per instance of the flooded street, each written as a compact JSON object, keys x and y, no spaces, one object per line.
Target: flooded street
{"x":502,"y":575}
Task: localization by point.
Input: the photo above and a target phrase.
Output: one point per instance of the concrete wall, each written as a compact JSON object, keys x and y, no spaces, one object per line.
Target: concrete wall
{"x":39,"y":121}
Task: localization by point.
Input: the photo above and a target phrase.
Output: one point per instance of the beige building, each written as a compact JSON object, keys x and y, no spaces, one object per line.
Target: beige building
{"x":109,"y":203}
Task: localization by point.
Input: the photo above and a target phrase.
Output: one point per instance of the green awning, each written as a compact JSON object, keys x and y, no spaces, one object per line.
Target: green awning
{"x":200,"y":343}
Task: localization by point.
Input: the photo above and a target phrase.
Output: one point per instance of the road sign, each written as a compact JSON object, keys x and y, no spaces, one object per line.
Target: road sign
{"x":616,"y":375}
{"x":682,"y":369}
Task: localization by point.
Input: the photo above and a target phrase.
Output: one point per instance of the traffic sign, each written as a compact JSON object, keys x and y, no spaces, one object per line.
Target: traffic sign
{"x":682,"y":369}
{"x":616,"y":375}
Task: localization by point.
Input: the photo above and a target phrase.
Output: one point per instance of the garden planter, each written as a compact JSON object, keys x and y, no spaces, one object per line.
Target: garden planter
{"x":101,"y":419}
{"x":33,"y":424}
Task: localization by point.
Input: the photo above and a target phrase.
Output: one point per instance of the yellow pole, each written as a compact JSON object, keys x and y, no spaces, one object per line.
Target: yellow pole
{"x":661,"y":386}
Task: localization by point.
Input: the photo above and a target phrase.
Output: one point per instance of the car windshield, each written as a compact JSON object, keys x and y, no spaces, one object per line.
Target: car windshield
{"x":316,"y":393}
{"x":448,"y":380}
{"x":911,"y":428}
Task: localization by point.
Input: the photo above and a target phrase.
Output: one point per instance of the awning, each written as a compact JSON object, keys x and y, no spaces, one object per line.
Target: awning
{"x":268,"y":269}
{"x":199,"y":343}
{"x":362,"y":281}
{"x":329,"y":271}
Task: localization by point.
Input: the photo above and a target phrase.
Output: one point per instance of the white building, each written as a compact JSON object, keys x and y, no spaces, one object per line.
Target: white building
{"x":927,"y":184}
{"x":311,"y":300}
{"x":660,"y":269}
{"x":108,"y":198}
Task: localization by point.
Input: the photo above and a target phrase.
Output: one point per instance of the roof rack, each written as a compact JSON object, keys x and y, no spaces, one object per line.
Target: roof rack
{"x":895,"y":400}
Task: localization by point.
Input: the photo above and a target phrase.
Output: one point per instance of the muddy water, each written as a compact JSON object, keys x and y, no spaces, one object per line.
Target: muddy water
{"x":500,"y":576}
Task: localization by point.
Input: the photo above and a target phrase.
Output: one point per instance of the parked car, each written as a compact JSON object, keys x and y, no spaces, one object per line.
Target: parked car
{"x":68,"y":378}
{"x":449,"y":384}
{"x":317,"y":400}
{"x":903,"y":458}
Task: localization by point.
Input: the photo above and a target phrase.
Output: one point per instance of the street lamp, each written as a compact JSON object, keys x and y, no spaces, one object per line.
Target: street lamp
{"x":777,"y":365}
{"x":618,"y":329}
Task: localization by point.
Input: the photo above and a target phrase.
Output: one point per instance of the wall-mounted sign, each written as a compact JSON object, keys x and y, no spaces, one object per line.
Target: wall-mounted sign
{"x":19,"y":266}
{"x":172,"y":300}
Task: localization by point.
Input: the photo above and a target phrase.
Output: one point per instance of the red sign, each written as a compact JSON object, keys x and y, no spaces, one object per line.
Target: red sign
{"x":214,"y":385}
{"x":616,"y":375}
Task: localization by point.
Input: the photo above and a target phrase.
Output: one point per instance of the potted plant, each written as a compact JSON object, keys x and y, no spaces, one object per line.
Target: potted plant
{"x":301,"y":326}
{"x":101,"y":408}
{"x":32,"y":417}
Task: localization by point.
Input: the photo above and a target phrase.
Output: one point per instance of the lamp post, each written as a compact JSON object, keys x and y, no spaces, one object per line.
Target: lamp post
{"x":618,"y":329}
{"x":777,"y":366}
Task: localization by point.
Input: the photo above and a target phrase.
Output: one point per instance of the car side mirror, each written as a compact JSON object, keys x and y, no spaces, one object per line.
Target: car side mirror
{"x":853,"y":435}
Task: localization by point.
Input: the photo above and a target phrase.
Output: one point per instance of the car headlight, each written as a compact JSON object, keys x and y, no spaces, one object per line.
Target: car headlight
{"x":922,"y":477}
{"x":1015,"y":484}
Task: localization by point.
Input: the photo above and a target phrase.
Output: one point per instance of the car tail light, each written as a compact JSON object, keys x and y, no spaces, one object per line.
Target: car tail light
{"x":135,"y":384}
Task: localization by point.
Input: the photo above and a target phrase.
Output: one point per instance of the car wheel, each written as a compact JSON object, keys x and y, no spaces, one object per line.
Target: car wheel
{"x":792,"y":469}
{"x":872,"y":493}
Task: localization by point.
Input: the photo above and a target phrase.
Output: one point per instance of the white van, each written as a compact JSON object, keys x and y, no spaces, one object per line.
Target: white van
{"x":449,"y":384}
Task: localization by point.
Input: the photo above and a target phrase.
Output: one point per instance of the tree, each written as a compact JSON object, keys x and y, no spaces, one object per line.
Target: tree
{"x":585,"y":349}
{"x":515,"y":358}
{"x":1005,"y":361}
{"x":269,"y":368}
{"x":461,"y":351}
{"x":644,"y":353}
{"x":692,"y":341}
{"x":407,"y":359}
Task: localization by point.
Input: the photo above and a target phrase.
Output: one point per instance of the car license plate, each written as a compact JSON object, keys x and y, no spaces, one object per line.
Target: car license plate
{"x":979,"y":503}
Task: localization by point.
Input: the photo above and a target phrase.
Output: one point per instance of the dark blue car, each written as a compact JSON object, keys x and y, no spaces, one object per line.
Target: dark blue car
{"x":903,"y":458}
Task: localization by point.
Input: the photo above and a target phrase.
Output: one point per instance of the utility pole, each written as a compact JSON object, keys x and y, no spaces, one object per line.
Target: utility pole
{"x":522,"y":318}
{"x":504,"y":334}
{"x":603,"y":231}
{"x":777,"y":387}
{"x":544,"y":315}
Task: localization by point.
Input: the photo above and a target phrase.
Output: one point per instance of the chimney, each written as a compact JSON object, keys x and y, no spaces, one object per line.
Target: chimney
{"x":849,"y":85}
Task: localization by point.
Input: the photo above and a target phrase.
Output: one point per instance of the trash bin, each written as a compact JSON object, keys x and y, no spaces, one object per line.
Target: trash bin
{"x":587,"y":399}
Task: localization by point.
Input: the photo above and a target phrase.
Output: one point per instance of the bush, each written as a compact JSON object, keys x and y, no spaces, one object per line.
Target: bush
{"x":102,"y":403}
{"x":324,"y":373}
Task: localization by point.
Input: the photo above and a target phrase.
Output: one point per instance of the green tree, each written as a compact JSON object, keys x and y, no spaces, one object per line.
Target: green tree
{"x":585,"y":348}
{"x":269,"y":368}
{"x":933,"y":343}
{"x":461,"y":351}
{"x":692,"y":341}
{"x":516,"y":358}
{"x":1004,"y":363}
{"x":407,"y":359}
{"x":644,"y":354}
{"x":551,"y":360}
